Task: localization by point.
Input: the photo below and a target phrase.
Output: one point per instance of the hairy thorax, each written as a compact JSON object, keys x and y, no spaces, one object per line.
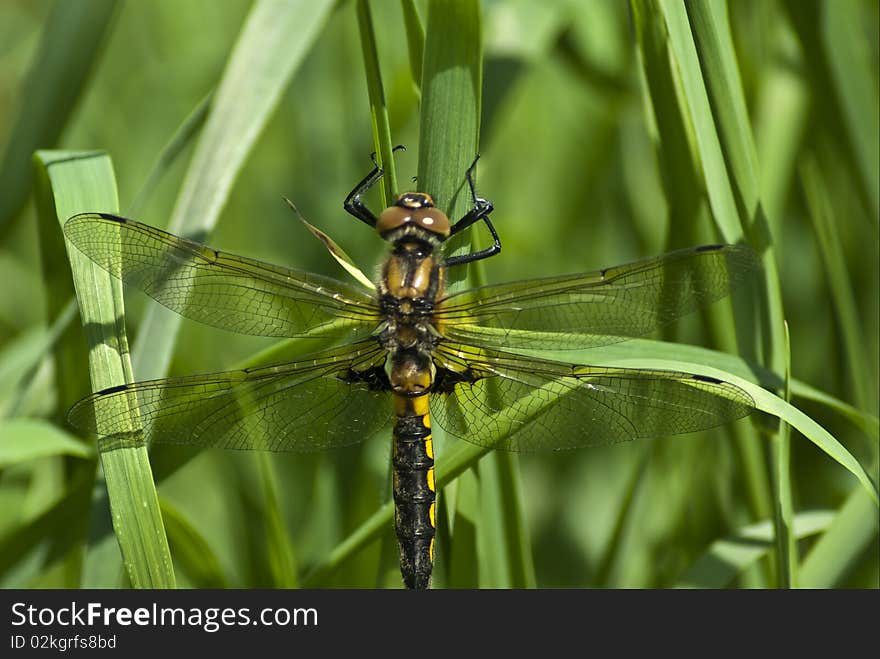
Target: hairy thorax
{"x":410,"y":284}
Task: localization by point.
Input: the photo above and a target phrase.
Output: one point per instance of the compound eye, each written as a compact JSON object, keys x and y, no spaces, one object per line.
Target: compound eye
{"x":393,"y":218}
{"x":433,"y":220}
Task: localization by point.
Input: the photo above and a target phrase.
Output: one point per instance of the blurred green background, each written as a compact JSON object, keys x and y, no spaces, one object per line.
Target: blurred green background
{"x":570,"y":159}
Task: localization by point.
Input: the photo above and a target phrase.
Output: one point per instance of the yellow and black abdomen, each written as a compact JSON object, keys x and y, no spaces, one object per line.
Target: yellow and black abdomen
{"x":414,"y":491}
{"x":412,"y":280}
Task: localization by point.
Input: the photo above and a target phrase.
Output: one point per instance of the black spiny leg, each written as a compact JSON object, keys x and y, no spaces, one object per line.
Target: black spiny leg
{"x":353,"y":204}
{"x":480,"y":211}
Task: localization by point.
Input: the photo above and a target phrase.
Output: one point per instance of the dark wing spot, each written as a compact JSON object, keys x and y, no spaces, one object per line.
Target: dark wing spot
{"x":112,"y":390}
{"x":445,"y":380}
{"x":375,"y":378}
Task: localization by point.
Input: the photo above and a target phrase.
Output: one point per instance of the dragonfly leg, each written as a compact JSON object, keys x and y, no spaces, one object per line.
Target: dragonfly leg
{"x":353,"y":204}
{"x":480,"y":211}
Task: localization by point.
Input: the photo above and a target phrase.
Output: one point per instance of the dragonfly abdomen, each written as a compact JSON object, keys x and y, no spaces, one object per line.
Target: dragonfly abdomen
{"x":414,"y":490}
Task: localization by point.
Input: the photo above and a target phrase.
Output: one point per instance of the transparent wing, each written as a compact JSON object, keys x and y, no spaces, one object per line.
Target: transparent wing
{"x":219,"y":289}
{"x":515,"y":403}
{"x":596,"y":308}
{"x":326,"y":401}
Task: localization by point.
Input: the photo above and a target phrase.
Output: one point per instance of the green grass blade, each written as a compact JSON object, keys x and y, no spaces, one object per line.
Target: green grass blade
{"x":834,"y":259}
{"x":450,"y":110}
{"x":378,"y":106}
{"x":715,"y":175}
{"x":273,"y":42}
{"x":69,"y":354}
{"x":783,"y":518}
{"x":729,"y":557}
{"x":70,"y":183}
{"x":503,"y":525}
{"x":69,"y":46}
{"x":448,"y":141}
{"x":668,"y":119}
{"x":848,"y":53}
{"x":852,"y":531}
{"x":866,"y":422}
{"x":721,"y":73}
{"x":279,"y":550}
{"x":769,"y":403}
{"x":415,"y":39}
{"x":645,"y":353}
{"x":635,"y":349}
{"x":19,"y":357}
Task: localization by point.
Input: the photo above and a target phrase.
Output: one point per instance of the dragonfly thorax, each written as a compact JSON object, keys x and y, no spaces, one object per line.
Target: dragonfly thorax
{"x":410,"y":284}
{"x":412,"y":275}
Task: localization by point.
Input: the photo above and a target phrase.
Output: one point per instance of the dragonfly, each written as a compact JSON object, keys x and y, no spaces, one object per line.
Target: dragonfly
{"x":414,"y":354}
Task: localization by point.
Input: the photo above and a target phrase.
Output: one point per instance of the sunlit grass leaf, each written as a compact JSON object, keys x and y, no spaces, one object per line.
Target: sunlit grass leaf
{"x":335,"y":250}
{"x":69,"y":183}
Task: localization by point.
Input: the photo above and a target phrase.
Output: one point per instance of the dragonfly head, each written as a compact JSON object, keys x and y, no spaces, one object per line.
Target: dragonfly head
{"x":411,"y":210}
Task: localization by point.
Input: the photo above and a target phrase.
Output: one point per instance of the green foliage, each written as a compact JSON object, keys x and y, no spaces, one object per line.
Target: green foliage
{"x":607,"y":132}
